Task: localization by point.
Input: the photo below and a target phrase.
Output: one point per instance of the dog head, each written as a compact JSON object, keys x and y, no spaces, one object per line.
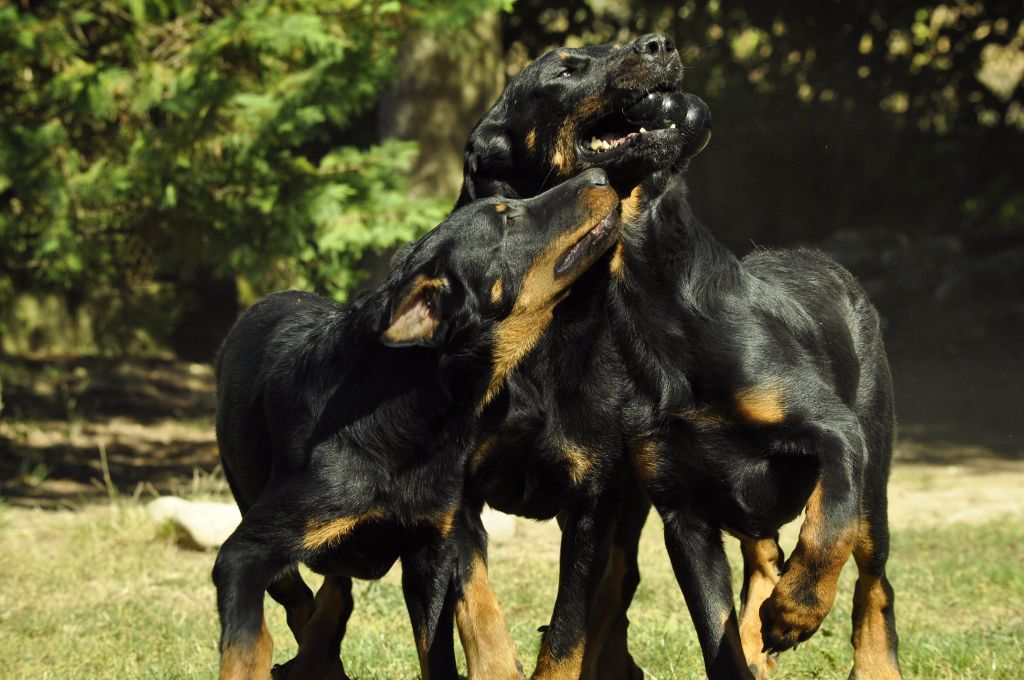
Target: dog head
{"x":613,"y":107}
{"x":497,"y":268}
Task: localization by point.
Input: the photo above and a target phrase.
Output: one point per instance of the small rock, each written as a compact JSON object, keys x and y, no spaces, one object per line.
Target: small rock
{"x":201,"y":525}
{"x":500,"y":527}
{"x":206,"y":525}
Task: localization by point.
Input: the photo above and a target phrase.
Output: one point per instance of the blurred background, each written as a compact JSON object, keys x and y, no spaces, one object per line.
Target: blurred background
{"x":164,"y":163}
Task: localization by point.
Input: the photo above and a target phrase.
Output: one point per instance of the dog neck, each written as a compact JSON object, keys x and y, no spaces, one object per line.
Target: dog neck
{"x":672,"y":277}
{"x":668,"y":252}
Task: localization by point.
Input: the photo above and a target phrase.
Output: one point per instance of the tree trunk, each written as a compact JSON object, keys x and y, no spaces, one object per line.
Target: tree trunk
{"x":439,"y":94}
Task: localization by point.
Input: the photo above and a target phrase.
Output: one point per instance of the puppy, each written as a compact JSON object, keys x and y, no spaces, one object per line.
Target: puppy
{"x":344,"y":429}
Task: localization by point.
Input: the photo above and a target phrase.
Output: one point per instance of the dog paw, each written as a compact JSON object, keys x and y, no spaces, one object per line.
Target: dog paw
{"x":790,"y":615}
{"x":762,"y":664}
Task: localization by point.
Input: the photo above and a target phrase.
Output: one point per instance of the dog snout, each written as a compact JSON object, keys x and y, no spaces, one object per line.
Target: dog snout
{"x":594,"y":177}
{"x":655,"y":46}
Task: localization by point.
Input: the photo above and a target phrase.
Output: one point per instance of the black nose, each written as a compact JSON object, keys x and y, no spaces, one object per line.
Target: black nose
{"x":654,"y":45}
{"x":596,"y":177}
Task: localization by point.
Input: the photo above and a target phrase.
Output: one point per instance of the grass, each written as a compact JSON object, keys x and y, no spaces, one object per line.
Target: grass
{"x":105,"y":593}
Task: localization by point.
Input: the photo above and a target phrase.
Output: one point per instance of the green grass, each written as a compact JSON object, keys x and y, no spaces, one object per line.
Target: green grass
{"x":105,"y":593}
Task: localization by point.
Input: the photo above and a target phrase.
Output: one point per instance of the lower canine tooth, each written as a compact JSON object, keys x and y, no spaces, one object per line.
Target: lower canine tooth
{"x":643,"y":130}
{"x":672,"y":126}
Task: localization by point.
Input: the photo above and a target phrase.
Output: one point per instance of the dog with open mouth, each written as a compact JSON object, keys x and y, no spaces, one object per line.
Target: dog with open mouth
{"x":757,"y":389}
{"x":550,"y":442}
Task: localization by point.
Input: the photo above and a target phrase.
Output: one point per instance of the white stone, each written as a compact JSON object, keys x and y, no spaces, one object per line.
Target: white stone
{"x":203,"y":525}
{"x":206,"y":525}
{"x":500,"y":527}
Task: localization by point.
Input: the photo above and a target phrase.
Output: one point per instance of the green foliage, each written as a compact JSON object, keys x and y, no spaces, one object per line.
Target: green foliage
{"x":147,"y":143}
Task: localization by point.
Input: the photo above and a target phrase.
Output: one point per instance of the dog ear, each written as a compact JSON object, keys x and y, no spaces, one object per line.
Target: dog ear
{"x":416,"y":314}
{"x":489,"y":164}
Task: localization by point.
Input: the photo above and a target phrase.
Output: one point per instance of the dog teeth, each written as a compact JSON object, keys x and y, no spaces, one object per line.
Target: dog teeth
{"x":642,"y":130}
{"x":600,"y":145}
{"x":672,"y":126}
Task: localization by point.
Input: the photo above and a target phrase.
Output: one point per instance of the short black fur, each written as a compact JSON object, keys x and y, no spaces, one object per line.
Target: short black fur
{"x":344,"y":429}
{"x":551,"y":443}
{"x":762,"y":390}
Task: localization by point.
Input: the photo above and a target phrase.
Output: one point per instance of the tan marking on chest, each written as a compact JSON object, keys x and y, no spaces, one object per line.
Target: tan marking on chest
{"x":632,"y":206}
{"x":618,"y":262}
{"x":497,"y":290}
{"x":761,"y":404}
{"x":446,"y":520}
{"x":646,"y":459}
{"x":514,"y":338}
{"x":443,"y":521}
{"x":579,"y":462}
{"x":324,"y":534}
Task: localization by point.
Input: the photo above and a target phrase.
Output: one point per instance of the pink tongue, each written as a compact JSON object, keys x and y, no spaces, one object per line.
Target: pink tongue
{"x":613,"y":141}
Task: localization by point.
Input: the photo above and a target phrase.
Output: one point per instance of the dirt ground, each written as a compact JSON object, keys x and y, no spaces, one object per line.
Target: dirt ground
{"x":77,"y":431}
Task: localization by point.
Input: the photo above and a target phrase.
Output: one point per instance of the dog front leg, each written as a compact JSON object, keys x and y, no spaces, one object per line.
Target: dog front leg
{"x":427,"y":578}
{"x":483,"y":630}
{"x":702,"y":570}
{"x":607,"y":655}
{"x":807,"y":589}
{"x":584,"y":553}
{"x":245,"y":566}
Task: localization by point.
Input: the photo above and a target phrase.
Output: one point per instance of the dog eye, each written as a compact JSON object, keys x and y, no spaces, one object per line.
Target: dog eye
{"x":568,"y":70}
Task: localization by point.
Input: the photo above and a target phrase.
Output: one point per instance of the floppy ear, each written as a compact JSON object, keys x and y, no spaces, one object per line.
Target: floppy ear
{"x":416,"y":314}
{"x":488,"y":166}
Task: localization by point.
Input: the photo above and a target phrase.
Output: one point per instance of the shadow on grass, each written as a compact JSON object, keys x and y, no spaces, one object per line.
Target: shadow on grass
{"x":83,"y":429}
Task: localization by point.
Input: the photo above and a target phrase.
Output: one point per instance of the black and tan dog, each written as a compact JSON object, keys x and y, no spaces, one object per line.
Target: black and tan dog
{"x":727,"y":390}
{"x":551,"y":442}
{"x":344,"y":429}
{"x":761,"y":390}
